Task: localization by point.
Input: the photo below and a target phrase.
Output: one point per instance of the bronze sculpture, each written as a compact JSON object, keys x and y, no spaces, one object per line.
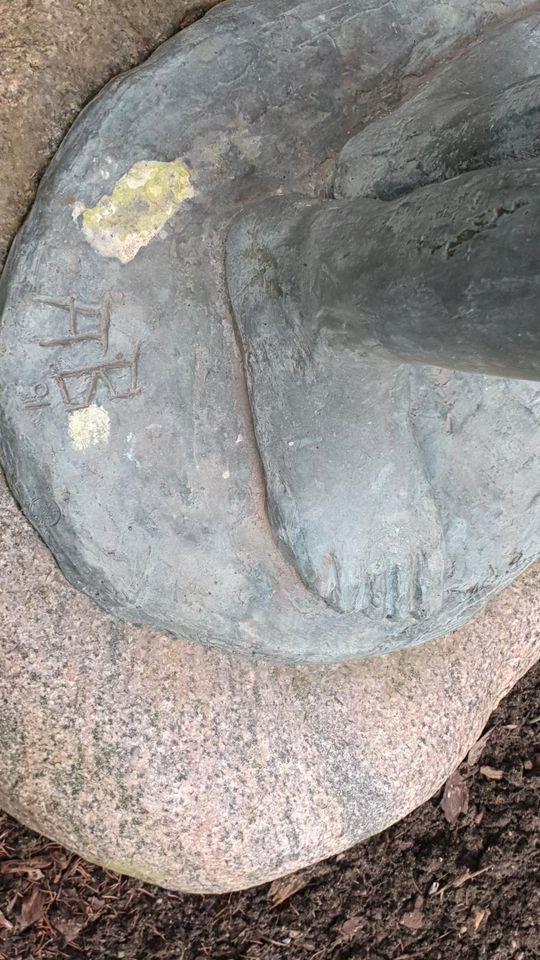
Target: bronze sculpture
{"x":131,"y":442}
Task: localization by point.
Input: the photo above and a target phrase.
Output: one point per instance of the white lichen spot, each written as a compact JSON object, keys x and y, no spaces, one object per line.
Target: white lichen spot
{"x":89,"y":427}
{"x":226,"y":474}
{"x":130,"y":440}
{"x":77,"y":210}
{"x":137,"y":209}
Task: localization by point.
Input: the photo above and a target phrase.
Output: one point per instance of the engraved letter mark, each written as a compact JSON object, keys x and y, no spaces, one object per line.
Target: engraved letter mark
{"x":75,"y":334}
{"x":78,"y":387}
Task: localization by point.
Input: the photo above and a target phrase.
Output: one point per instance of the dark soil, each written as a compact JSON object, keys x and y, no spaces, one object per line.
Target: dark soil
{"x":459,"y":878}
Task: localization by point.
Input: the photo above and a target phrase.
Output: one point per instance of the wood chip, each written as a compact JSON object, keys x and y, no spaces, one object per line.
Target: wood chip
{"x":457,"y":881}
{"x":465,"y":877}
{"x":477,"y":749}
{"x":455,"y":800}
{"x":4,"y":922}
{"x":32,"y":909}
{"x":414,"y":920}
{"x":479,"y":915}
{"x":285,"y":887}
{"x":350,"y":927}
{"x":491,"y":773}
{"x":33,"y":869}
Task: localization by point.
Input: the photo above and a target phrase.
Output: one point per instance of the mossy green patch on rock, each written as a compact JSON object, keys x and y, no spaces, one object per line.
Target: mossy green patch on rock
{"x":139,"y":206}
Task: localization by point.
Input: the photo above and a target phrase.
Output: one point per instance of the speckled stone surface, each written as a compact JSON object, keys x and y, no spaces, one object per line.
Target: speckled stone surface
{"x":207,"y":773}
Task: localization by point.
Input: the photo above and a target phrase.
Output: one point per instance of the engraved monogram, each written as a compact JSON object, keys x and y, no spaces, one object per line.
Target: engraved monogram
{"x":78,"y":386}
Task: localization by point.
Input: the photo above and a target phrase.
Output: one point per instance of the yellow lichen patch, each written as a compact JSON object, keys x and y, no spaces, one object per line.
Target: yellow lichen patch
{"x":139,"y":206}
{"x":89,"y":427}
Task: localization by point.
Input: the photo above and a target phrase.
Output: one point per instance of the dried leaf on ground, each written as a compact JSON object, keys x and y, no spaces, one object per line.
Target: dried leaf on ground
{"x":4,"y":922}
{"x":285,"y":887}
{"x":455,"y":799}
{"x":69,"y":927}
{"x":32,"y":909}
{"x":491,"y":773}
{"x":350,"y":927}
